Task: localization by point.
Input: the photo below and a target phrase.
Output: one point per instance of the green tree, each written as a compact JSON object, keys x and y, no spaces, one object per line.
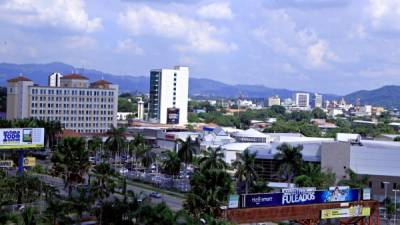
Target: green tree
{"x":210,"y":188}
{"x":353,"y":180}
{"x":71,"y":161}
{"x":116,"y":141}
{"x":278,"y":110}
{"x":289,"y":161}
{"x":186,"y":151}
{"x":318,"y":113}
{"x":213,"y":159}
{"x":245,"y":168}
{"x":312,"y":176}
{"x":172,"y":164}
{"x":397,"y":139}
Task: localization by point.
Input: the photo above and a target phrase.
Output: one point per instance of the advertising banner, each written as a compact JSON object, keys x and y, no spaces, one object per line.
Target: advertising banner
{"x":6,"y":163}
{"x":354,"y":211}
{"x":233,"y":201}
{"x":30,"y":161}
{"x":299,"y":196}
{"x":172,"y":116}
{"x":21,"y":138}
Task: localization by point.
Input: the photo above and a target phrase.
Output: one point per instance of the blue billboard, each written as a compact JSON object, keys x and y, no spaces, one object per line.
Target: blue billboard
{"x":299,"y":197}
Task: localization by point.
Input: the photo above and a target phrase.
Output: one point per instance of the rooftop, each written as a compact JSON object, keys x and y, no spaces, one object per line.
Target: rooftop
{"x":74,"y":76}
{"x":101,"y":82}
{"x":18,"y":79}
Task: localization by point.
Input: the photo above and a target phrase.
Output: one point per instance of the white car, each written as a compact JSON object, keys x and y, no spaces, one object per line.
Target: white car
{"x":123,"y":171}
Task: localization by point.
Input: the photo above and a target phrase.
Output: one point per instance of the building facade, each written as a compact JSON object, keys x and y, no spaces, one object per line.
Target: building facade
{"x":302,"y":100}
{"x":169,"y":95}
{"x":79,"y":105}
{"x":318,"y":100}
{"x":274,"y":100}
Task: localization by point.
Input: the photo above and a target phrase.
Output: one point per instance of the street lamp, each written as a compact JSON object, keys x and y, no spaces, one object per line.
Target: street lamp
{"x":395,"y":204}
{"x":385,"y":183}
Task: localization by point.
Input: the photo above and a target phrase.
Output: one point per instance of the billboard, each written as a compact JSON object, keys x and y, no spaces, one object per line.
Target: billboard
{"x":354,"y":211}
{"x":299,"y":196}
{"x":172,"y":116}
{"x":20,"y":138}
{"x":30,"y":161}
{"x":233,"y":201}
{"x":6,"y":163}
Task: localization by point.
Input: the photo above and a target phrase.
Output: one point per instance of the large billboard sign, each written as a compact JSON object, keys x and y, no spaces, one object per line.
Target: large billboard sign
{"x":21,"y":138}
{"x":172,"y":116}
{"x":354,"y":211}
{"x":300,"y":196}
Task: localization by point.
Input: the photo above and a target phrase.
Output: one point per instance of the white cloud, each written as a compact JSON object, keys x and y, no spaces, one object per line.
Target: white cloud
{"x":301,"y":45}
{"x":79,"y":42}
{"x":128,"y":46}
{"x":217,"y":10}
{"x":319,"y":52}
{"x":68,"y":14}
{"x":193,"y":35}
{"x":384,"y":14}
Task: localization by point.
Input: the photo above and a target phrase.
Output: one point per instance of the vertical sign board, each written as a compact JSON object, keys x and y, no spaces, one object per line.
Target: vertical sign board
{"x":366,"y":194}
{"x":233,"y":202}
{"x":21,"y":138}
{"x":172,"y":116}
{"x":299,"y":196}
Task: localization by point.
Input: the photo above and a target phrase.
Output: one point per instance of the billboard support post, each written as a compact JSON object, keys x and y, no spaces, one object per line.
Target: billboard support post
{"x":20,"y":162}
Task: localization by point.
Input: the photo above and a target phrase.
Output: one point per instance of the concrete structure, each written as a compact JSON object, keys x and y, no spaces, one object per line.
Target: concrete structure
{"x":79,"y":105}
{"x":302,"y":100}
{"x":123,"y":115}
{"x":55,"y":79}
{"x":274,"y":100}
{"x":318,"y":100}
{"x":169,"y":90}
{"x":140,"y":108}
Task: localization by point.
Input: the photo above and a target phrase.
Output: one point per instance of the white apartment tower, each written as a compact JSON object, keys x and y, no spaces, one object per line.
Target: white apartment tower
{"x":140,"y":108}
{"x":318,"y":100}
{"x":79,"y":105}
{"x":169,"y":91}
{"x":302,"y":100}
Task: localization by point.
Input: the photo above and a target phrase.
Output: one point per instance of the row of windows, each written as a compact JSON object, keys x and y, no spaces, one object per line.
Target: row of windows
{"x":395,"y":186}
{"x":71,"y":112}
{"x":72,"y":92}
{"x":104,"y":120}
{"x":80,"y":106}
{"x":73,"y":99}
{"x":87,"y":125}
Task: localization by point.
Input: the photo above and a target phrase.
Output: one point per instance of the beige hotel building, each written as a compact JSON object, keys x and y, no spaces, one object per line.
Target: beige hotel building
{"x":79,"y":105}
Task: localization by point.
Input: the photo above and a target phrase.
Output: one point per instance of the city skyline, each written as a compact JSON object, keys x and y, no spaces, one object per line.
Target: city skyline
{"x":309,"y":45}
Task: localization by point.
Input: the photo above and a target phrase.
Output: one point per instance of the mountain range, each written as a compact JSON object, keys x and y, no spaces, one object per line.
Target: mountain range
{"x":387,"y":96}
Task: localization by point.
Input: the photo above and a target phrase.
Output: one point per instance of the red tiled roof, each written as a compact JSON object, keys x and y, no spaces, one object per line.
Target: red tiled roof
{"x":74,"y":76}
{"x":101,"y":82}
{"x":69,"y":133}
{"x":19,"y":78}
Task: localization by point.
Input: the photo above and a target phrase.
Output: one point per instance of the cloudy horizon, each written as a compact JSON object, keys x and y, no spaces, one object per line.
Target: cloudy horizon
{"x":328,"y":46}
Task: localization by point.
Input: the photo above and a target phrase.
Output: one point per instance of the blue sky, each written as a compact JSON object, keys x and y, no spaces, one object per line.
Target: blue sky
{"x":329,"y":46}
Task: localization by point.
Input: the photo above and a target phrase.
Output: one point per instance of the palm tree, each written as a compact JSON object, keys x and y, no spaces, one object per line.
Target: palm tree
{"x":116,"y":141}
{"x":213,"y":159}
{"x":186,"y":151}
{"x":288,"y":161}
{"x":210,"y":188}
{"x":353,"y":180}
{"x":313,"y":176}
{"x":71,"y":160}
{"x":172,"y":164}
{"x":246,"y":168}
{"x":94,"y":145}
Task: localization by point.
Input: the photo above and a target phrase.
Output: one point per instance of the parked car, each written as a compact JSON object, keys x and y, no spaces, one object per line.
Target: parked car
{"x":155,"y":195}
{"x":123,"y":171}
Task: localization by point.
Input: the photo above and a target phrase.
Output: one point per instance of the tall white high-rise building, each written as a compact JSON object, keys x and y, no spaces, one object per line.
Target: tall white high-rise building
{"x":169,"y":91}
{"x":302,"y":100}
{"x":318,"y":100}
{"x":140,"y":108}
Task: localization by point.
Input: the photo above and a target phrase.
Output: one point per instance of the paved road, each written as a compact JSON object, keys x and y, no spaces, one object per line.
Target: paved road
{"x":173,"y":202}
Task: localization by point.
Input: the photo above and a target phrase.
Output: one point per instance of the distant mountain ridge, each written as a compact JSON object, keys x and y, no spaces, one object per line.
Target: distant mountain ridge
{"x":198,"y":86}
{"x":386,"y":96}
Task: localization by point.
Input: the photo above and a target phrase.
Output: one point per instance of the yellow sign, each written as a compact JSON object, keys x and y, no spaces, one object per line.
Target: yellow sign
{"x":30,"y":161}
{"x":6,"y":163}
{"x":354,"y":211}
